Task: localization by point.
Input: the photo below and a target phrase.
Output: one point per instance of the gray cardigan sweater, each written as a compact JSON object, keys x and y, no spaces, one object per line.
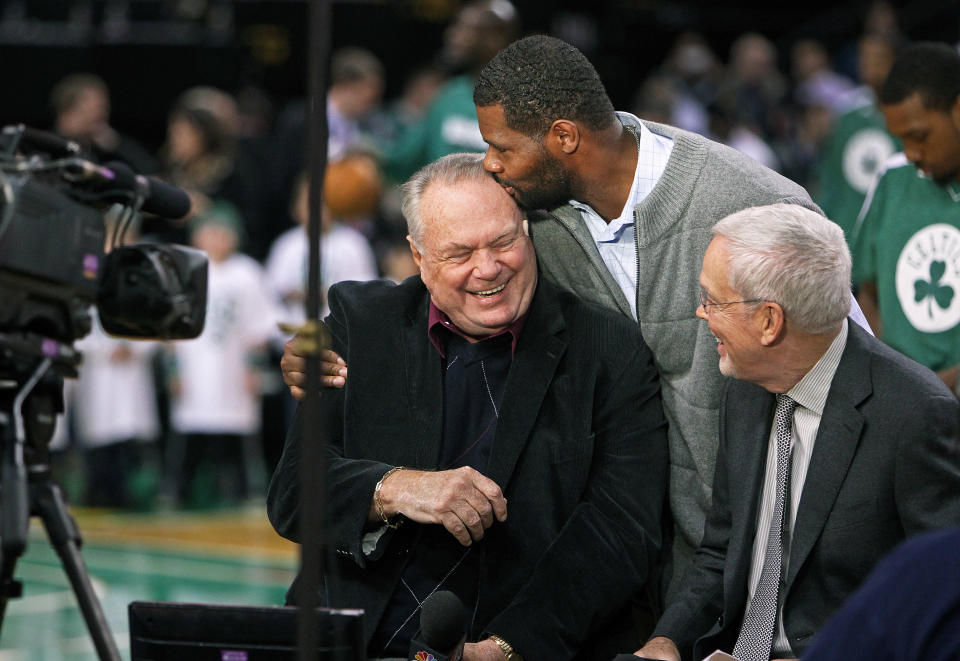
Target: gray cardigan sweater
{"x":704,"y":181}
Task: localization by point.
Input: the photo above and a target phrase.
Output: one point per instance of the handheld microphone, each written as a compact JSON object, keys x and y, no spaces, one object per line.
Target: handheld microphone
{"x":442,"y":632}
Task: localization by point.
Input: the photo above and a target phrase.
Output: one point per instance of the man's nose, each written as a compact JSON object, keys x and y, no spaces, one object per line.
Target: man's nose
{"x":491,"y":163}
{"x":913,"y":154}
{"x":486,"y":266}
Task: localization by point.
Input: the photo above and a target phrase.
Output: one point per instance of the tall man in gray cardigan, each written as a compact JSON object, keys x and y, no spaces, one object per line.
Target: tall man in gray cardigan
{"x":630,"y":206}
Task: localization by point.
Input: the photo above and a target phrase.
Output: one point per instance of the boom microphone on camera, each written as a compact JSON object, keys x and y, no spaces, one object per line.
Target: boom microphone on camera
{"x":442,"y":632}
{"x":160,"y":198}
{"x":117,"y":182}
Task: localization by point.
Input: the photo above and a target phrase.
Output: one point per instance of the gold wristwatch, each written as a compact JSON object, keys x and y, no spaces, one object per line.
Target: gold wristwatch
{"x":506,"y":648}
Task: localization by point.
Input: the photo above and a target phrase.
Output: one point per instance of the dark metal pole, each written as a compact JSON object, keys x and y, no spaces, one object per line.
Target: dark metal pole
{"x":313,"y":464}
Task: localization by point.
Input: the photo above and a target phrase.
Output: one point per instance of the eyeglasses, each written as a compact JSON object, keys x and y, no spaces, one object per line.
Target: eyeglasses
{"x":707,"y":303}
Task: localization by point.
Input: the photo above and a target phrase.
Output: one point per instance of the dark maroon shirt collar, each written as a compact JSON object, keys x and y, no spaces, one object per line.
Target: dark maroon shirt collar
{"x":438,"y":322}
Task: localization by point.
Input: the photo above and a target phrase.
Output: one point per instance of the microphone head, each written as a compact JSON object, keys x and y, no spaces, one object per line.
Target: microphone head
{"x":166,"y":200}
{"x":442,"y":621}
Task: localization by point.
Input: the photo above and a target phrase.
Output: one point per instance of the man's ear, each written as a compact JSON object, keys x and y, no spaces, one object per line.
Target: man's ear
{"x":955,"y":113}
{"x":417,"y":257}
{"x":772,"y":323}
{"x":564,"y":136}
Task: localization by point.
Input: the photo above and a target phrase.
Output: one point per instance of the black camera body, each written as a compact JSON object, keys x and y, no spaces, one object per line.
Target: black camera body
{"x":53,"y":264}
{"x":51,"y":257}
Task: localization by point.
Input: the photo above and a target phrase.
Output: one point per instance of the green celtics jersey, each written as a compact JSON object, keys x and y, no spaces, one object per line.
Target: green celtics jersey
{"x":449,"y":126}
{"x":855,"y":150}
{"x":908,"y":244}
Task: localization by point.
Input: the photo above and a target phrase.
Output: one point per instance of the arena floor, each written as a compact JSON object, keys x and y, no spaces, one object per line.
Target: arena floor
{"x":224,"y":557}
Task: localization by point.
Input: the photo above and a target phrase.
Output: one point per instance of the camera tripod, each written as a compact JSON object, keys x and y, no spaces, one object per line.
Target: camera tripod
{"x":27,"y":488}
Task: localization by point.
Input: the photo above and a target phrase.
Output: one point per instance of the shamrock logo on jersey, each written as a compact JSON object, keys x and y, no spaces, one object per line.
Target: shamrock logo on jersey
{"x":927,"y":278}
{"x":942,"y":294}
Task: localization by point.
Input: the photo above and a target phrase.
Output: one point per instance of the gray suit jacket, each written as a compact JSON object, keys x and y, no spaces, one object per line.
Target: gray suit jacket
{"x":886,"y":465}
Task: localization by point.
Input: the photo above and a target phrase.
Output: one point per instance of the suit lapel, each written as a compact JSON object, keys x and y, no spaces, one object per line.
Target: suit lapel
{"x":748,"y":436}
{"x":538,"y":353}
{"x":424,"y":381}
{"x":835,"y":447}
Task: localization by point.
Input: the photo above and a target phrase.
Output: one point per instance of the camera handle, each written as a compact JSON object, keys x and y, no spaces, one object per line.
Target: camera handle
{"x":30,"y":491}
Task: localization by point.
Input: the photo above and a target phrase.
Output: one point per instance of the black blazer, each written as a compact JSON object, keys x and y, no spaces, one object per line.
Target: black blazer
{"x":885,"y":465}
{"x":580,"y":453}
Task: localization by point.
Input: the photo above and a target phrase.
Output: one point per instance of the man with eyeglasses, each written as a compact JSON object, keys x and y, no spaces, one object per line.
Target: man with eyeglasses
{"x":833,"y":447}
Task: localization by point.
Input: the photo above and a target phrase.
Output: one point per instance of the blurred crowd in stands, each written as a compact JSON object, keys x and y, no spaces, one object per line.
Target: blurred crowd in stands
{"x":201,"y":423}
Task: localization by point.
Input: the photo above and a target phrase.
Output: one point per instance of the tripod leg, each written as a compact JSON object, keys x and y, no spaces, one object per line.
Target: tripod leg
{"x":65,"y":538}
{"x":15,"y":503}
{"x":14,"y":521}
{"x":9,"y":587}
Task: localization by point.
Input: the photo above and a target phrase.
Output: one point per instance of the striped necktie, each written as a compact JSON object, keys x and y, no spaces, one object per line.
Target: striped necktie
{"x":756,"y":633}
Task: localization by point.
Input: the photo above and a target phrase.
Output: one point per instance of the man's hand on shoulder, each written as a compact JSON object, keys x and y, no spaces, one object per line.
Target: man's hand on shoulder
{"x":333,"y":369}
{"x":463,"y":500}
{"x":659,"y":647}
{"x":485,"y":650}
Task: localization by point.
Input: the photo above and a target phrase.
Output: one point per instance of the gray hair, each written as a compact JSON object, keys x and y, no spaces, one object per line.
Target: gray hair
{"x":448,"y":170}
{"x":793,"y":256}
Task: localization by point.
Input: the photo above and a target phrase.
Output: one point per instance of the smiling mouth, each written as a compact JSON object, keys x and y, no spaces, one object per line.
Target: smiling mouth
{"x":489,"y":292}
{"x":719,"y":344}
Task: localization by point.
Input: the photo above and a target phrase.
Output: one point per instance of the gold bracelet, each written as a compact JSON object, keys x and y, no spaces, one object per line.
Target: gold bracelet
{"x":379,"y":503}
{"x":507,"y":649}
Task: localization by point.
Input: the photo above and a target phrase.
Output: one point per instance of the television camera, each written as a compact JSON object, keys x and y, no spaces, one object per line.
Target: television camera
{"x":58,"y":260}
